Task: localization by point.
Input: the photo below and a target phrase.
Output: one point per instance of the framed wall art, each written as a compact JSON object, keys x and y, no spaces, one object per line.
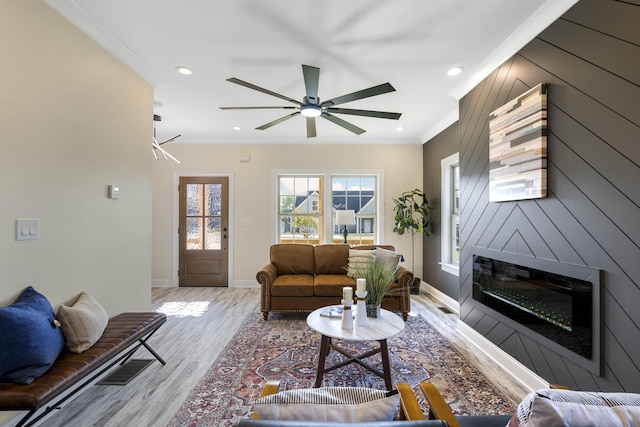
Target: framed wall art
{"x":518,"y":148}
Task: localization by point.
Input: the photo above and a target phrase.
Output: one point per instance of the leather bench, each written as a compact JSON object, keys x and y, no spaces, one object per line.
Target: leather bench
{"x":124,"y":334}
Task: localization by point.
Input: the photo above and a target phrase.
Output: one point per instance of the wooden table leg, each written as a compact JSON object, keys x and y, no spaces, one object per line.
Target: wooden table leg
{"x":386,"y":369}
{"x":325,"y":345}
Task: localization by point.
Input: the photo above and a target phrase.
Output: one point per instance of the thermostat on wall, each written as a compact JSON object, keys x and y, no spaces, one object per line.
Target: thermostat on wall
{"x":114,"y":192}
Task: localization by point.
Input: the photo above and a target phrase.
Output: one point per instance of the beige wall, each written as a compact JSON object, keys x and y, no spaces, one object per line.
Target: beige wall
{"x":252,"y":197}
{"x":72,"y":121}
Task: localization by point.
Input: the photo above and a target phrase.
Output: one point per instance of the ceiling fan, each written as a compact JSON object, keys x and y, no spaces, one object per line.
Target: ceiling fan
{"x":311,"y":107}
{"x":155,"y":145}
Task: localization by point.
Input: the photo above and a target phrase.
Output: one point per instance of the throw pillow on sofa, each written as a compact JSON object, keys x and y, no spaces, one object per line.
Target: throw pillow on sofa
{"x":551,"y":408}
{"x":347,"y":404}
{"x":390,"y":259}
{"x":358,"y":259}
{"x":83,"y":323}
{"x":30,"y":337}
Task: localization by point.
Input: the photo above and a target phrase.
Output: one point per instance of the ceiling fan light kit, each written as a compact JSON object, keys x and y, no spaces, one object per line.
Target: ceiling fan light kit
{"x":311,"y":107}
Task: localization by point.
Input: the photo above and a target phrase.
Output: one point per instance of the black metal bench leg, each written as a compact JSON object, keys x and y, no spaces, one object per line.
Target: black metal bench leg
{"x":143,"y":341}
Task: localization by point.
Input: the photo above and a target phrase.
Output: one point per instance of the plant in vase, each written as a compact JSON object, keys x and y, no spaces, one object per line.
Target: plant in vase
{"x":379,"y":279}
{"x":412,"y":216}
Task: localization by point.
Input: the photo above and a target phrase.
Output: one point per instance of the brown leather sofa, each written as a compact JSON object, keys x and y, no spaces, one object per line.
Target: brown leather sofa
{"x":302,"y":278}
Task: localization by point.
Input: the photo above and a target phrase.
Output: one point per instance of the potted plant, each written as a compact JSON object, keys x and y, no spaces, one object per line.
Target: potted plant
{"x":412,"y":215}
{"x":379,"y":278}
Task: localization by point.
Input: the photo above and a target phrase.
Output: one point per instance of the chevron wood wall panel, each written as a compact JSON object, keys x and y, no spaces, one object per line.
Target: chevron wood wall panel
{"x":590,"y":59}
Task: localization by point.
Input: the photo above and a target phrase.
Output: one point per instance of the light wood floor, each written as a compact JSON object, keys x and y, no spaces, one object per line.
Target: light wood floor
{"x":200,"y":323}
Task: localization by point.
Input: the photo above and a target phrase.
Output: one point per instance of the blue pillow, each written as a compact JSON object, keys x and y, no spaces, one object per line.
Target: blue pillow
{"x":30,"y":337}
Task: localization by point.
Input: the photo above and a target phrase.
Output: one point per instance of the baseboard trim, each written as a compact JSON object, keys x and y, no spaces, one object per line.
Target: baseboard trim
{"x":245,"y":284}
{"x":529,"y":379}
{"x":157,"y":283}
{"x":442,"y":298}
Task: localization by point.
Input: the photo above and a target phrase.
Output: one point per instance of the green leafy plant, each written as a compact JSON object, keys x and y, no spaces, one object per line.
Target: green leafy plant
{"x":379,"y":279}
{"x":412,"y":215}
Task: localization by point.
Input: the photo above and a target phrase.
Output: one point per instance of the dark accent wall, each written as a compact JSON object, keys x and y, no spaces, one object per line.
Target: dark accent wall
{"x":590,"y":58}
{"x":440,"y":147}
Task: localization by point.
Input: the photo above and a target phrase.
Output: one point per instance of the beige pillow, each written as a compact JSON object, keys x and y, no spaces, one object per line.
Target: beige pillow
{"x":83,"y":323}
{"x":358,"y":259}
{"x":346,"y":404}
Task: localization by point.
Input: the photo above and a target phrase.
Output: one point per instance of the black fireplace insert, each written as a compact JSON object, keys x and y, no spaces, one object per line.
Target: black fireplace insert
{"x":556,"y":306}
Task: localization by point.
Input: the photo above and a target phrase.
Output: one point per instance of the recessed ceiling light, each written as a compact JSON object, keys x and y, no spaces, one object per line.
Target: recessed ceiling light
{"x":185,"y":71}
{"x":454,"y":71}
{"x":399,"y":128}
{"x":236,"y":128}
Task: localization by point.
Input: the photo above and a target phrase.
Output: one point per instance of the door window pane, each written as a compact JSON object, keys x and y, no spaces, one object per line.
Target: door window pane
{"x":194,"y":199}
{"x":213,"y":237}
{"x":214,"y":199}
{"x":194,"y":233}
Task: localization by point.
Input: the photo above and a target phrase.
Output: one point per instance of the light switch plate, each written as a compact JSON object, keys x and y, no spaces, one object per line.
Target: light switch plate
{"x":27,"y":229}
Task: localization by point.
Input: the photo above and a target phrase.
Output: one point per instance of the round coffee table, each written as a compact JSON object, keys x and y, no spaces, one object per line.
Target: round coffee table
{"x":378,"y":329}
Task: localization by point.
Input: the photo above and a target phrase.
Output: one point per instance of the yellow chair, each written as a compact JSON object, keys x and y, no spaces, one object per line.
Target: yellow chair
{"x":439,"y":412}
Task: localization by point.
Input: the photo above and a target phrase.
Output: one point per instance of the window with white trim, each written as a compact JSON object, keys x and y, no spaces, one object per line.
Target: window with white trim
{"x":304,"y":218}
{"x":450,"y":220}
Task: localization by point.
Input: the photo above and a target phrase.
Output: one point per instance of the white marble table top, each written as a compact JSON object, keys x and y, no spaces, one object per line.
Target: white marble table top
{"x":381,"y":328}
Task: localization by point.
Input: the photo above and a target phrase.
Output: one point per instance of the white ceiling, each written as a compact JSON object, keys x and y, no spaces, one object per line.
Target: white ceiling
{"x":356,"y":44}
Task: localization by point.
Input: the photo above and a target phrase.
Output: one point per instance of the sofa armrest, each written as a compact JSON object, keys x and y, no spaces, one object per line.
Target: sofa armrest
{"x":267,"y":274}
{"x":404,"y":277}
{"x":266,"y":277}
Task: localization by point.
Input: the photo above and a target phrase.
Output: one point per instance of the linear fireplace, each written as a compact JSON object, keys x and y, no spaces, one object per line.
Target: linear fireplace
{"x":560,"y":307}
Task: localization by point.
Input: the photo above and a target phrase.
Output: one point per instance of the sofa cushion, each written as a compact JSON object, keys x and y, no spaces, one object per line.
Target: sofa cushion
{"x":292,"y":258}
{"x":292,"y":285}
{"x":330,"y":285}
{"x":550,"y":407}
{"x":331,"y":259}
{"x":329,"y":404}
{"x":30,"y":337}
{"x":83,"y":323}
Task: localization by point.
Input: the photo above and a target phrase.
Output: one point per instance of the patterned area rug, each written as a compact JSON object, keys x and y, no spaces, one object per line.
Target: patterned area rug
{"x":286,"y":349}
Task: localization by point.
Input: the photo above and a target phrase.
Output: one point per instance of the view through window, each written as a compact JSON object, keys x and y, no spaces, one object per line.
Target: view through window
{"x":303,"y":216}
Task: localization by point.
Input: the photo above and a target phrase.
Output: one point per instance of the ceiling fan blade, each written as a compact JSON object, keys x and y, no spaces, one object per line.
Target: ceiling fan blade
{"x":364,"y":93}
{"x":311,"y":79}
{"x":275,"y":122}
{"x":311,"y":127}
{"x":348,"y":126}
{"x":258,"y":108}
{"x":263,"y":90}
{"x":367,"y":113}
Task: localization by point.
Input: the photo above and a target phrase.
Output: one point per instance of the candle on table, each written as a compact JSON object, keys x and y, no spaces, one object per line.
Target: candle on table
{"x":347,"y":293}
{"x":361,"y":285}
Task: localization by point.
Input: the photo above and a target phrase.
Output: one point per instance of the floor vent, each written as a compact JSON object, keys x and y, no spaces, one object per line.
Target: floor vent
{"x":445,"y":310}
{"x":126,"y":372}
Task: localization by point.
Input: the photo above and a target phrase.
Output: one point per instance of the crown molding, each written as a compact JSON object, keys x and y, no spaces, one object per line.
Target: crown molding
{"x":534,"y":25}
{"x":79,"y":17}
